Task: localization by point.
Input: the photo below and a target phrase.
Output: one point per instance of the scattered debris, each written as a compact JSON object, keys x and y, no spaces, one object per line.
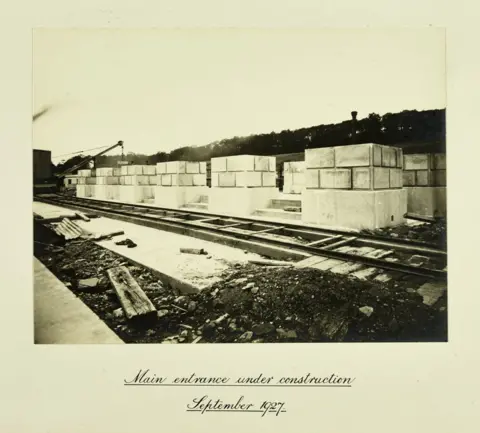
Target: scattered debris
{"x":432,"y":292}
{"x":162,"y":313}
{"x":246,"y":337}
{"x":254,"y":290}
{"x":134,"y":301}
{"x":270,"y":262}
{"x":199,"y":251}
{"x":118,"y":313}
{"x":366,"y":310}
{"x":417,"y":260}
{"x":82,"y":216}
{"x":263,"y":329}
{"x":127,"y":242}
{"x":248,"y":286}
{"x":88,"y":284}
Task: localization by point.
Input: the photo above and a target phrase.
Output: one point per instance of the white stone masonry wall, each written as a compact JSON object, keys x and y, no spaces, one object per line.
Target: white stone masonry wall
{"x":357,"y":167}
{"x":425,"y":170}
{"x":181,"y":173}
{"x":293,"y":177}
{"x":243,"y":171}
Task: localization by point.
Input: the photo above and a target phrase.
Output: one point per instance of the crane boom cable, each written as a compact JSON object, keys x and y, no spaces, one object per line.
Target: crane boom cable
{"x":81,"y":151}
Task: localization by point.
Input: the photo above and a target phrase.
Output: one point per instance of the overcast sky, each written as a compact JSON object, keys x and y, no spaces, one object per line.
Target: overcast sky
{"x":161,"y":89}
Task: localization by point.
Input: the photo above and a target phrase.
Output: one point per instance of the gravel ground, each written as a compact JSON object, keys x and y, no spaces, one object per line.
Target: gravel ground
{"x":256,"y":304}
{"x":435,"y":232}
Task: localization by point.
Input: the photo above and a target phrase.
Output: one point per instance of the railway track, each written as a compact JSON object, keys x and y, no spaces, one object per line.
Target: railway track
{"x":361,"y":255}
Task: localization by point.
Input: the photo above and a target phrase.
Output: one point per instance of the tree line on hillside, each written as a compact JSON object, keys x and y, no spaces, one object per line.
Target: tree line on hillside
{"x":408,"y":126}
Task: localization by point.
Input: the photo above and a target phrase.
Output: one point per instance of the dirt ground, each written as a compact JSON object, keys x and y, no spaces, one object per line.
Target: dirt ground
{"x":255,"y":304}
{"x":435,"y":232}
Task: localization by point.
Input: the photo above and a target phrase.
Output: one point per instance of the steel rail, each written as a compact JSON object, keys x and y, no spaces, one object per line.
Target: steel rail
{"x":393,"y":242}
{"x":317,"y":251}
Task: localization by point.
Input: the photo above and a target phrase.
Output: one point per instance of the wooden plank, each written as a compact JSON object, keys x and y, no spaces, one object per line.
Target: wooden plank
{"x":265,"y":262}
{"x":271,"y":229}
{"x":337,"y":244}
{"x":82,"y":216}
{"x":324,"y":240}
{"x":327,"y":264}
{"x":134,"y":301}
{"x":310,"y":261}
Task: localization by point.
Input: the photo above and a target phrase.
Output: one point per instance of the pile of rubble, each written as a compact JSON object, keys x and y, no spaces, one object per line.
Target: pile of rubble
{"x":431,"y":232}
{"x":257,"y":304}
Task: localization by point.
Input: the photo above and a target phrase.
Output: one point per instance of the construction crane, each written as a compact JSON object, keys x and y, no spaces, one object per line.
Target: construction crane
{"x":88,"y":159}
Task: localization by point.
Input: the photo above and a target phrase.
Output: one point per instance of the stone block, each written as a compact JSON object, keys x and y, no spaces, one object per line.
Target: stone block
{"x":362,"y":177}
{"x":356,"y":155}
{"x":226,"y":179}
{"x":124,"y":170}
{"x":141,"y":180}
{"x":117,"y":171}
{"x":176,"y":167}
{"x":408,"y":178}
{"x":113,"y":180}
{"x":192,"y":167}
{"x":161,"y":168}
{"x":91,"y":181}
{"x":262,"y":163}
{"x":247,"y":178}
{"x":185,"y":180}
{"x":135,"y":170}
{"x":298,"y":179}
{"x":440,"y":161}
{"x":439,"y":177}
{"x":389,"y":156}
{"x":166,"y":180}
{"x":294,"y":167}
{"x":149,"y":170}
{"x":219,"y":164}
{"x":241,"y":163}
{"x":335,"y":178}
{"x":81,"y":181}
{"x":199,"y":180}
{"x":381,"y":178}
{"x":130,"y":194}
{"x":101,"y":180}
{"x":377,"y":155}
{"x":203,"y":167}
{"x":417,"y":161}
{"x":240,"y":201}
{"x":128,"y":180}
{"x":272,"y":163}
{"x":396,"y":178}
{"x":354,"y":209}
{"x":422,"y":178}
{"x":269,"y":179}
{"x":312,"y":178}
{"x":85,"y":173}
{"x":320,"y":157}
{"x":287,"y":179}
{"x":152,"y":180}
{"x":214,"y":179}
{"x":427,"y":201}
{"x":399,"y":158}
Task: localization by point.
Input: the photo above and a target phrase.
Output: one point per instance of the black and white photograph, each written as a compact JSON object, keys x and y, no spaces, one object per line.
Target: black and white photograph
{"x":224,"y":185}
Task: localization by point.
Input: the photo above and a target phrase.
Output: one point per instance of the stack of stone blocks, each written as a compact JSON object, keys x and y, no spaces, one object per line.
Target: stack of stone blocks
{"x":293,"y":177}
{"x":137,"y":183}
{"x":180,"y":183}
{"x":84,"y":184}
{"x":425,"y":180}
{"x":354,"y":186}
{"x":242,"y":184}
